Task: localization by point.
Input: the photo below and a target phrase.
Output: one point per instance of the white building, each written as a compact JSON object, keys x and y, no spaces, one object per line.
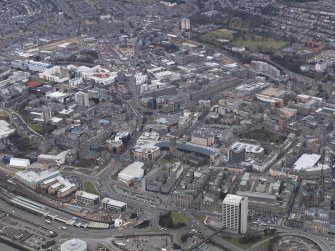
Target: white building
{"x":58,"y":159}
{"x":306,"y":161}
{"x":145,"y":148}
{"x":76,"y":81}
{"x":140,"y":79}
{"x":131,"y":173}
{"x":34,"y":180}
{"x":55,"y":74}
{"x":87,"y":198}
{"x":235,"y":214}
{"x":185,"y":24}
{"x":82,"y":99}
{"x":19,"y":163}
{"x":31,"y":65}
{"x":321,"y":66}
{"x":97,"y":74}
{"x":74,"y":245}
{"x":114,"y":205}
{"x":5,"y":130}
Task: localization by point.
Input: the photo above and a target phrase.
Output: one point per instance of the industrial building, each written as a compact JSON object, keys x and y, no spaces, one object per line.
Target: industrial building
{"x":131,"y":173}
{"x":33,"y":179}
{"x":87,"y":198}
{"x":19,"y":163}
{"x":114,"y":205}
{"x":235,"y":214}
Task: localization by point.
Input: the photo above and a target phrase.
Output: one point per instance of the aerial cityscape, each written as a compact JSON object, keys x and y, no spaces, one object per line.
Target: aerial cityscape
{"x":158,"y":125}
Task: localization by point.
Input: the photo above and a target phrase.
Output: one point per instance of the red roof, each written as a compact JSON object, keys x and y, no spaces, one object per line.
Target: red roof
{"x":33,"y":84}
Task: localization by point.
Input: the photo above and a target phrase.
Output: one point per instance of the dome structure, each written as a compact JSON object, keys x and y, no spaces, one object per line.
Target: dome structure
{"x":74,"y":245}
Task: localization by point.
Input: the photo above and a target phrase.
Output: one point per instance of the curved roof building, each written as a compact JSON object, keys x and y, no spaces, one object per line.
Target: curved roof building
{"x":74,"y":245}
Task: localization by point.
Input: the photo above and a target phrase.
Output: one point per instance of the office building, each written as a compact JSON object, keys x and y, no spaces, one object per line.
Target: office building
{"x":236,"y":155}
{"x":114,"y":205}
{"x":82,"y":99}
{"x":185,"y":24}
{"x":235,"y":214}
{"x":87,"y":198}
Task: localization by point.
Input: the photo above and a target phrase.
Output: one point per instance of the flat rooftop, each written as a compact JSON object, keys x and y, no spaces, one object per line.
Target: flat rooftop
{"x":306,"y":161}
{"x":232,"y":199}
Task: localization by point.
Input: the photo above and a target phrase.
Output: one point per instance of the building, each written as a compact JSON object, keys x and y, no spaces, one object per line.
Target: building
{"x":58,"y":159}
{"x":236,"y":155}
{"x":131,"y":173}
{"x":74,"y":245}
{"x":87,"y":198}
{"x":66,"y":191}
{"x":306,"y":161}
{"x":5,"y":129}
{"x":185,"y":24}
{"x":235,"y":213}
{"x":321,"y":66}
{"x":82,"y":99}
{"x":202,"y":138}
{"x":145,"y":148}
{"x":266,"y":69}
{"x":114,"y":205}
{"x":19,"y":163}
{"x":33,"y":179}
{"x":31,"y":65}
{"x":44,"y":116}
{"x":55,"y":74}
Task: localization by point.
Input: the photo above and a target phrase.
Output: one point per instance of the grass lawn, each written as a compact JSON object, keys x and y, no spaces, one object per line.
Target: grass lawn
{"x":235,"y":240}
{"x":167,"y":160}
{"x":179,"y":218}
{"x":243,"y":38}
{"x":200,"y":217}
{"x":89,"y":187}
{"x":37,"y":128}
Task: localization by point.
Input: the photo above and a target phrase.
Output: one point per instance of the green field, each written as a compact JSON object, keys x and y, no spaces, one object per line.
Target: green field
{"x":179,"y":218}
{"x":37,"y":128}
{"x":236,"y":240}
{"x":243,"y":38}
{"x":200,"y":217}
{"x":173,"y":220}
{"x":89,"y":187}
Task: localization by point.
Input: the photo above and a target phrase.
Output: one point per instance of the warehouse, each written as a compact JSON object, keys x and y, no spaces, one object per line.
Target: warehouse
{"x":34,"y":180}
{"x":131,"y":173}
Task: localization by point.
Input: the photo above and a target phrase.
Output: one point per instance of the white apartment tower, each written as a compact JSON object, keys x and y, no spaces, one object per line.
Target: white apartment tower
{"x":185,"y":24}
{"x":82,"y":99}
{"x":235,"y":214}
